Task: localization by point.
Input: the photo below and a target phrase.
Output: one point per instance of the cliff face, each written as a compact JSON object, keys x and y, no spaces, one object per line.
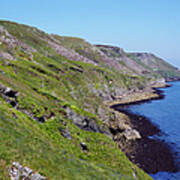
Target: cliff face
{"x":53,"y":112}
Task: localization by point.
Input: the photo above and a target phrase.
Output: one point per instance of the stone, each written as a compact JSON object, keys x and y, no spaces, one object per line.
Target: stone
{"x":10,"y":93}
{"x":82,"y":122}
{"x":65,"y":133}
{"x":41,"y":119}
{"x":37,"y":177}
{"x":26,"y":172}
{"x":18,"y":172}
{"x":117,"y":123}
{"x":5,"y":55}
{"x":131,"y":134}
{"x":84,"y":146}
{"x":87,"y":123}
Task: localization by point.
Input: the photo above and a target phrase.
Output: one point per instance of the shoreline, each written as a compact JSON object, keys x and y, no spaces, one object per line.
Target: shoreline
{"x":151,"y":155}
{"x":147,"y":95}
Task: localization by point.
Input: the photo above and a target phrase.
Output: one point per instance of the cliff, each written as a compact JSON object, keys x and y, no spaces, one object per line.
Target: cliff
{"x":54,"y":93}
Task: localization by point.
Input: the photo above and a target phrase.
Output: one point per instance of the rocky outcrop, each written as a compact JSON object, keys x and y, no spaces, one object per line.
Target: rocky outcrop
{"x":105,"y":94}
{"x":85,"y":122}
{"x":84,"y":146}
{"x":19,"y":172}
{"x":65,"y":133}
{"x":12,"y":42}
{"x":5,"y":55}
{"x":8,"y":92}
{"x":121,"y":129}
{"x":9,"y":95}
{"x":119,"y":51}
{"x":131,"y":134}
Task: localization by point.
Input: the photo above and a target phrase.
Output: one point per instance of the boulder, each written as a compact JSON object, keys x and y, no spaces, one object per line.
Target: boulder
{"x":84,"y":146}
{"x":131,"y":134}
{"x":117,"y":123}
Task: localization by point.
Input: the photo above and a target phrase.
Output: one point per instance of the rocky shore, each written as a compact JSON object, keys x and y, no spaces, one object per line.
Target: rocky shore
{"x":152,"y":155}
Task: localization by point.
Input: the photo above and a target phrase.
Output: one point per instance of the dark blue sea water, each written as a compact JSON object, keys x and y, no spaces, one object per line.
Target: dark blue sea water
{"x":165,"y":114}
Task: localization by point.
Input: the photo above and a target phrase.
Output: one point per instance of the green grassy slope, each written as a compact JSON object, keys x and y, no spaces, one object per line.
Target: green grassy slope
{"x":61,"y":85}
{"x":41,"y":147}
{"x":32,"y":124}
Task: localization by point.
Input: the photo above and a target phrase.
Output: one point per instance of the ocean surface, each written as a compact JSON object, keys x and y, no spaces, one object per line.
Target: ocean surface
{"x":165,"y":113}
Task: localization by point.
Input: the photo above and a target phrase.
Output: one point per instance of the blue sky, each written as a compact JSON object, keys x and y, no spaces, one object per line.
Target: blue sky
{"x":135,"y":25}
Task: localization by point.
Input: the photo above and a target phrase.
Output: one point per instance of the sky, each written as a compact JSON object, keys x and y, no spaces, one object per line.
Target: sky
{"x":135,"y":25}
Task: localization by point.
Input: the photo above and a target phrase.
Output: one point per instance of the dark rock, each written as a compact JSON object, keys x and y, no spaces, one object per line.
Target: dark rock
{"x":9,"y":92}
{"x":92,"y":126}
{"x":9,"y":95}
{"x":38,"y":69}
{"x":41,"y":119}
{"x":84,"y":146}
{"x":13,"y":103}
{"x":56,"y":69}
{"x":65,"y":133}
{"x":76,"y":69}
{"x":152,"y":155}
{"x":86,"y":123}
{"x":14,"y":115}
{"x":83,"y":122}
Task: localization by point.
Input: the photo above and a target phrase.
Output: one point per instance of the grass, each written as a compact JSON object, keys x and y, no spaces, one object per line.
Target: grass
{"x":46,"y":84}
{"x":41,"y":147}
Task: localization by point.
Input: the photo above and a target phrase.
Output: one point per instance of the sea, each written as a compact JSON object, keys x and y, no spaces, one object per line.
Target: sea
{"x":165,"y":113}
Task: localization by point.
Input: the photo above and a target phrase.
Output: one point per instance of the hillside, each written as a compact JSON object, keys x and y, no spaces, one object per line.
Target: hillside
{"x":156,"y":65}
{"x":54,"y":91}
